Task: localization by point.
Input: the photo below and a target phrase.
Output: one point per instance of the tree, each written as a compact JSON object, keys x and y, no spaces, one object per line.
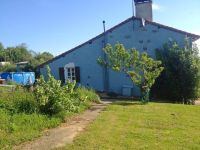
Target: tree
{"x":21,"y":53}
{"x":141,"y":69}
{"x":1,"y":52}
{"x":1,"y":46}
{"x":8,"y":68}
{"x":180,"y":81}
{"x":18,"y":53}
{"x":38,"y":58}
{"x":43,"y":57}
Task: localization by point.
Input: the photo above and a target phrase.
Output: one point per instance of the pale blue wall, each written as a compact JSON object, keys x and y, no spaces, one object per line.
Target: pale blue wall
{"x":132,"y":35}
{"x":85,"y":57}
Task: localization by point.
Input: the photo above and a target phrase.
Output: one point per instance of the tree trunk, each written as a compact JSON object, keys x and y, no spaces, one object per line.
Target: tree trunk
{"x":144,"y":94}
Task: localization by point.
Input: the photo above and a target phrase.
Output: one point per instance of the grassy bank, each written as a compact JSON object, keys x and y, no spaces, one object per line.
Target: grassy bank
{"x":18,"y":128}
{"x":21,"y":119}
{"x":126,"y":125}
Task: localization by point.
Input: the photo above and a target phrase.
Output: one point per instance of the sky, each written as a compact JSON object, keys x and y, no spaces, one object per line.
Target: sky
{"x":59,"y":25}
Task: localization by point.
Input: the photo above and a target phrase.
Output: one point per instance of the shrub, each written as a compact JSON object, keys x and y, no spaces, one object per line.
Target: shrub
{"x":6,"y":103}
{"x":26,"y":104}
{"x":52,"y":97}
{"x":18,"y":102}
{"x":8,"y":68}
{"x":180,"y":80}
{"x":85,"y":94}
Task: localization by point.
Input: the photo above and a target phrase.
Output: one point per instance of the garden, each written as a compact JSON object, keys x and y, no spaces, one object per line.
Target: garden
{"x":144,"y":123}
{"x":25,"y":113}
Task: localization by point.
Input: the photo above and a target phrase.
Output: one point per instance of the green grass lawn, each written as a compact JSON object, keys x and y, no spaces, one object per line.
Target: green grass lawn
{"x":22,"y":119}
{"x":18,"y":128}
{"x":126,"y":125}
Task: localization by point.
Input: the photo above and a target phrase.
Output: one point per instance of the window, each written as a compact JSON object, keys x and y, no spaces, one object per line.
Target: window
{"x":72,"y":73}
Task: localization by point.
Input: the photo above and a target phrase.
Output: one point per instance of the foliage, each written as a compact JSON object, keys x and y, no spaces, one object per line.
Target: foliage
{"x":19,"y":127}
{"x":21,"y":53}
{"x":180,"y":80}
{"x":49,"y":98}
{"x":8,"y":68}
{"x":52,"y":97}
{"x":26,"y":104}
{"x":18,"y":53}
{"x":11,"y":82}
{"x":38,"y":58}
{"x":131,"y":126}
{"x":1,"y":46}
{"x":19,"y":101}
{"x":24,"y":114}
{"x":43,"y":57}
{"x":141,"y":69}
{"x":1,"y":51}
{"x":85,"y":94}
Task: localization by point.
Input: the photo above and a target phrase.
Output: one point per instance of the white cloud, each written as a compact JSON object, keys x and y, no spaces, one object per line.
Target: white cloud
{"x":156,"y":7}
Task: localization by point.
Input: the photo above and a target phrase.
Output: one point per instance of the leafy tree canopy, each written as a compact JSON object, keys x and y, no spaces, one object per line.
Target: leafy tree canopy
{"x":1,"y":47}
{"x":21,"y":53}
{"x":142,"y":69}
{"x":180,"y":81}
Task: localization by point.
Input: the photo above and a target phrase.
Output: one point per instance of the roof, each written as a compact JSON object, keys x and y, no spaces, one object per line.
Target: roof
{"x":22,"y":63}
{"x":193,"y":36}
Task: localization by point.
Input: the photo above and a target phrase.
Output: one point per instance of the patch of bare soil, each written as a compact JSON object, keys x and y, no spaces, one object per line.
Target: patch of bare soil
{"x":197,"y":102}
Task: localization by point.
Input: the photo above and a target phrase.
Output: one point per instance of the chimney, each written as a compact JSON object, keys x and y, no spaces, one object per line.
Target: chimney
{"x":143,"y":9}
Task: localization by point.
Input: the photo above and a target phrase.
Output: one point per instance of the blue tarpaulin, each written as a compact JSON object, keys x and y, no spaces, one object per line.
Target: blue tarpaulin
{"x":23,"y":78}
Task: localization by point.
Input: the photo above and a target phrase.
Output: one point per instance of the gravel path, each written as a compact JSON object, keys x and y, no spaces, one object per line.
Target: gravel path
{"x":60,"y":136}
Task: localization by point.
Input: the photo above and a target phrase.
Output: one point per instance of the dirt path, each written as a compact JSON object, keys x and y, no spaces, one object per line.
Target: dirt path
{"x":64,"y":134}
{"x":197,"y":102}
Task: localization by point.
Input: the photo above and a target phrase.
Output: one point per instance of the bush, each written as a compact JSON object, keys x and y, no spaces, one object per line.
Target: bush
{"x":18,"y":102}
{"x":20,"y":110}
{"x":85,"y":94}
{"x":26,"y":104}
{"x":52,"y":97}
{"x":8,"y":68}
{"x":180,"y":80}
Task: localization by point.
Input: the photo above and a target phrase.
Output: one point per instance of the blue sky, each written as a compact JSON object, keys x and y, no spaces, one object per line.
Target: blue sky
{"x":59,"y":25}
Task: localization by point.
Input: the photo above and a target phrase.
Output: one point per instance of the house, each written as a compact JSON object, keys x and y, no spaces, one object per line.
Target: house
{"x":140,"y":32}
